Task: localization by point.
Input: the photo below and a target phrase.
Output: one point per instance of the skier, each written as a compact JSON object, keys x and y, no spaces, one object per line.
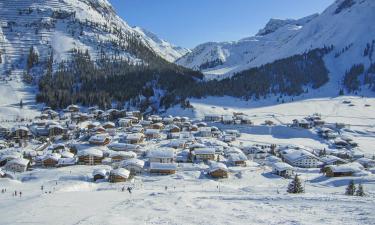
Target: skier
{"x":130,"y":190}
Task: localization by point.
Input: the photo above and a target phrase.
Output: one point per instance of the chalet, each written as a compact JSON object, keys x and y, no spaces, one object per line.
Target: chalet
{"x":302,"y":124}
{"x":255,"y":152}
{"x":90,"y":156}
{"x":135,"y":166}
{"x":120,"y":156}
{"x":161,"y":155}
{"x":155,"y":118}
{"x":163,"y":168}
{"x":73,"y":108}
{"x":18,"y":165}
{"x":332,"y":160}
{"x":8,"y":157}
{"x":55,"y":130}
{"x":212,"y":118}
{"x":340,"y":143}
{"x":218,"y":170}
{"x":300,"y":158}
{"x":366,"y":163}
{"x":228,"y":138}
{"x":227,"y":119}
{"x":237,"y":159}
{"x":157,"y":126}
{"x":173,"y":129}
{"x":118,"y":175}
{"x":66,"y":161}
{"x":137,"y":129}
{"x":125,"y":122}
{"x":123,"y":147}
{"x":99,"y":139}
{"x":269,"y":123}
{"x":152,"y":133}
{"x":99,"y":174}
{"x":92,"y":125}
{"x":204,"y":154}
{"x":109,"y":125}
{"x":168,"y":120}
{"x":136,"y":138}
{"x":244,"y":119}
{"x":283,"y":169}
{"x":113,"y":114}
{"x":20,"y":132}
{"x":343,"y":170}
{"x":193,"y":128}
{"x":327,"y":133}
{"x":98,"y":130}
{"x":205,"y":132}
{"x":51,"y":160}
{"x":177,"y":143}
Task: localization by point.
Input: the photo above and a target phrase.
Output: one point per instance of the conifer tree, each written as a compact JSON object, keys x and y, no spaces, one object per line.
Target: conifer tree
{"x":360,"y":191}
{"x":350,"y":189}
{"x":295,"y":186}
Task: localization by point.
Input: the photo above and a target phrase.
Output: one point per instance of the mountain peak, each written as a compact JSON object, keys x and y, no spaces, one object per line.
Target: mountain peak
{"x":275,"y":24}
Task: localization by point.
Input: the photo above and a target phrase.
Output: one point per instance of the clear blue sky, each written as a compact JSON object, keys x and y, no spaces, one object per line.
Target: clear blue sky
{"x":188,"y":23}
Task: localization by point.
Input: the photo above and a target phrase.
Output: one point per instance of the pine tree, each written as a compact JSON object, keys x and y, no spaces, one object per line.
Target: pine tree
{"x":360,"y":191}
{"x":295,"y":186}
{"x":350,"y":189}
{"x":21,"y":104}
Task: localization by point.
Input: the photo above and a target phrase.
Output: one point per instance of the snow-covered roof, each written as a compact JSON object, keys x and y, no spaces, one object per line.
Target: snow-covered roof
{"x":66,"y":154}
{"x":135,"y":136}
{"x":133,"y":162}
{"x":67,"y":161}
{"x":218,"y":166}
{"x":204,"y":151}
{"x":161,"y":153}
{"x":152,"y":131}
{"x":163,"y":166}
{"x":123,"y":154}
{"x":98,"y":138}
{"x":53,"y":156}
{"x":328,"y":159}
{"x":350,"y":167}
{"x":91,"y":151}
{"x":100,"y":171}
{"x":281,"y":166}
{"x":110,"y":124}
{"x":19,"y":161}
{"x":120,"y":172}
{"x":295,"y":155}
{"x":122,"y":146}
{"x":235,"y":157}
{"x":365,"y":161}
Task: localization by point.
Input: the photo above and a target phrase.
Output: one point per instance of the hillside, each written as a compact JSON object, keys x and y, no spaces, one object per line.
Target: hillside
{"x":63,"y":25}
{"x":55,"y":29}
{"x":346,"y":25}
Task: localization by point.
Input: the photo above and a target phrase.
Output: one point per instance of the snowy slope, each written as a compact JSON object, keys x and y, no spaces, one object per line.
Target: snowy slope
{"x":61,"y":25}
{"x":343,"y":27}
{"x":161,"y":47}
{"x":58,"y":26}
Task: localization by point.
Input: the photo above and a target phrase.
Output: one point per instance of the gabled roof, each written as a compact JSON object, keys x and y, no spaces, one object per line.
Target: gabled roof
{"x":163,"y":166}
{"x":133,"y":162}
{"x":281,"y":166}
{"x":217,"y":166}
{"x":120,"y":172}
{"x":161,"y":153}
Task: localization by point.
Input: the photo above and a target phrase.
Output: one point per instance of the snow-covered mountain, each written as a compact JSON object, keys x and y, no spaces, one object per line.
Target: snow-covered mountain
{"x":63,"y":25}
{"x":160,"y":46}
{"x":346,"y":24}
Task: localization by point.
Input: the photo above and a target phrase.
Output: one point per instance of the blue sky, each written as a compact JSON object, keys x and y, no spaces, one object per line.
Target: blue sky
{"x":188,"y":23}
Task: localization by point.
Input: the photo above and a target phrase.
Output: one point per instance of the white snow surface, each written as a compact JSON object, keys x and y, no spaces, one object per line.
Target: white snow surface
{"x":283,"y":38}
